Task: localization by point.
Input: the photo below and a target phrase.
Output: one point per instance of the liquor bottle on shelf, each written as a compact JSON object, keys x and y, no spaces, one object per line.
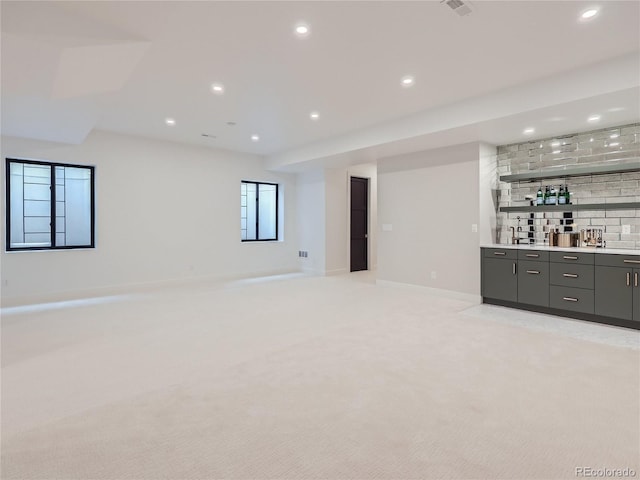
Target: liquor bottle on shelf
{"x":546,"y":195}
{"x":540,"y":197}
{"x":562,"y":199}
{"x":567,"y":195}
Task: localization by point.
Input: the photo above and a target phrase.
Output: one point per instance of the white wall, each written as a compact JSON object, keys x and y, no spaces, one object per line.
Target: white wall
{"x":337,"y":233}
{"x":164,"y":211}
{"x":323,"y":217}
{"x":430,"y":200}
{"x":338,"y":188}
{"x":488,"y":169}
{"x":310,"y":208}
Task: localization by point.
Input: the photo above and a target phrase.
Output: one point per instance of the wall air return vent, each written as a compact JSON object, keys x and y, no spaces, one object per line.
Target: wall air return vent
{"x":458,"y":6}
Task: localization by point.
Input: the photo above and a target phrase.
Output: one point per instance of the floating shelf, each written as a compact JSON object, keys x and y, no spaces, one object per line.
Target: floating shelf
{"x":571,"y":208}
{"x":572,"y":172}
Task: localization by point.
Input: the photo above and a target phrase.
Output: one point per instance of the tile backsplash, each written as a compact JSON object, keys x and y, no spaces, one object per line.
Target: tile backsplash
{"x":609,"y":146}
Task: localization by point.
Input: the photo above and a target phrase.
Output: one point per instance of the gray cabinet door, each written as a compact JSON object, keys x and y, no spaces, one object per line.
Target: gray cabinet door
{"x":636,"y":294}
{"x":533,"y":283}
{"x":613,"y":297}
{"x":499,"y":279}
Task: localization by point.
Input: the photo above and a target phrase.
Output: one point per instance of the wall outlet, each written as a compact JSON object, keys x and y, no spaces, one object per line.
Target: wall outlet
{"x":474,"y":227}
{"x":626,"y":229}
{"x":433,"y":275}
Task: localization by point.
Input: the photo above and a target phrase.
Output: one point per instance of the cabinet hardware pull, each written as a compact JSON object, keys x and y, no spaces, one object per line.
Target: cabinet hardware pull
{"x":534,"y":272}
{"x":570,"y":275}
{"x":635,"y":279}
{"x":628,"y":279}
{"x":514,"y":268}
{"x":499,"y":253}
{"x":631,"y":261}
{"x":567,"y":257}
{"x":532,"y":255}
{"x":570,"y":299}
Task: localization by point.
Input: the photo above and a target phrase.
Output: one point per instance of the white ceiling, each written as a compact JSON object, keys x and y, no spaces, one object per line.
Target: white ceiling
{"x":70,"y":67}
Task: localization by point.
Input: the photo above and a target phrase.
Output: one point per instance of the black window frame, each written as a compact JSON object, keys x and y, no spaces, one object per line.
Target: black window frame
{"x":52,"y":225}
{"x":277,"y":219}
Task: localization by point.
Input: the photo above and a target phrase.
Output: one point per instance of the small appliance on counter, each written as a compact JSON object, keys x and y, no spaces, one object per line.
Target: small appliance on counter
{"x":557,"y":239}
{"x":591,"y":237}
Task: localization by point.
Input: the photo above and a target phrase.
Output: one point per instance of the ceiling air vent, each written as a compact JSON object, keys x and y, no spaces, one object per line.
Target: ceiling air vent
{"x":458,"y":6}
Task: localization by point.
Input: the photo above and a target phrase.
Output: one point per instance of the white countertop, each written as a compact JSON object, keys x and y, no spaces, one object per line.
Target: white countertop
{"x":615,"y":251}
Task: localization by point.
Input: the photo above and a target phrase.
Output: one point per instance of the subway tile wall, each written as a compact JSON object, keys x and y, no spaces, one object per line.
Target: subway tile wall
{"x":608,"y":146}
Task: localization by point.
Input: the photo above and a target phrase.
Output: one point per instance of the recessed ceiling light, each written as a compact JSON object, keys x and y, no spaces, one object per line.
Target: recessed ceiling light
{"x":170,"y":121}
{"x":616,"y":109}
{"x":314,"y":115}
{"x":556,"y":151}
{"x":593,"y":118}
{"x":614,"y":135}
{"x":528,"y":131}
{"x":589,"y":14}
{"x":217,"y":88}
{"x":302,"y":30}
{"x":614,"y":144}
{"x":555,"y":144}
{"x":407,"y":81}
{"x":255,"y":138}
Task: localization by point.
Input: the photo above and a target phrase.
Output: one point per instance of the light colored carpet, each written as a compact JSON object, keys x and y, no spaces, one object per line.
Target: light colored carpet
{"x":308,"y":377}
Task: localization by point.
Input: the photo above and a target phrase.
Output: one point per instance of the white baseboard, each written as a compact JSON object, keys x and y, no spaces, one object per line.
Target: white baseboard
{"x":324,"y":273}
{"x":337,"y":271}
{"x":468,"y":297}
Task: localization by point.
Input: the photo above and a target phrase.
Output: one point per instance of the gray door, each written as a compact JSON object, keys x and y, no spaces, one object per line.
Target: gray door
{"x":613,"y":297}
{"x":636,"y":294}
{"x":499,"y":279}
{"x":533,"y":283}
{"x":359,"y":227}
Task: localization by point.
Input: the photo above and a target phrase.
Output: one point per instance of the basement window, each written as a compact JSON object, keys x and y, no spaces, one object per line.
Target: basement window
{"x":258,"y":211}
{"x":49,"y":205}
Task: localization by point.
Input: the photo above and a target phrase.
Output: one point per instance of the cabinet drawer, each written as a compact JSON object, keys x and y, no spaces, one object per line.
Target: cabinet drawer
{"x":614,"y":260}
{"x":533,"y":255}
{"x":569,"y":298}
{"x":510,"y":253}
{"x":571,"y":257}
{"x":571,"y":275}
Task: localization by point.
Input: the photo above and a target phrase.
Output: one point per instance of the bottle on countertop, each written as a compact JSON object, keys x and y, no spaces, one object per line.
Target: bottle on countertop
{"x":562,"y":199}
